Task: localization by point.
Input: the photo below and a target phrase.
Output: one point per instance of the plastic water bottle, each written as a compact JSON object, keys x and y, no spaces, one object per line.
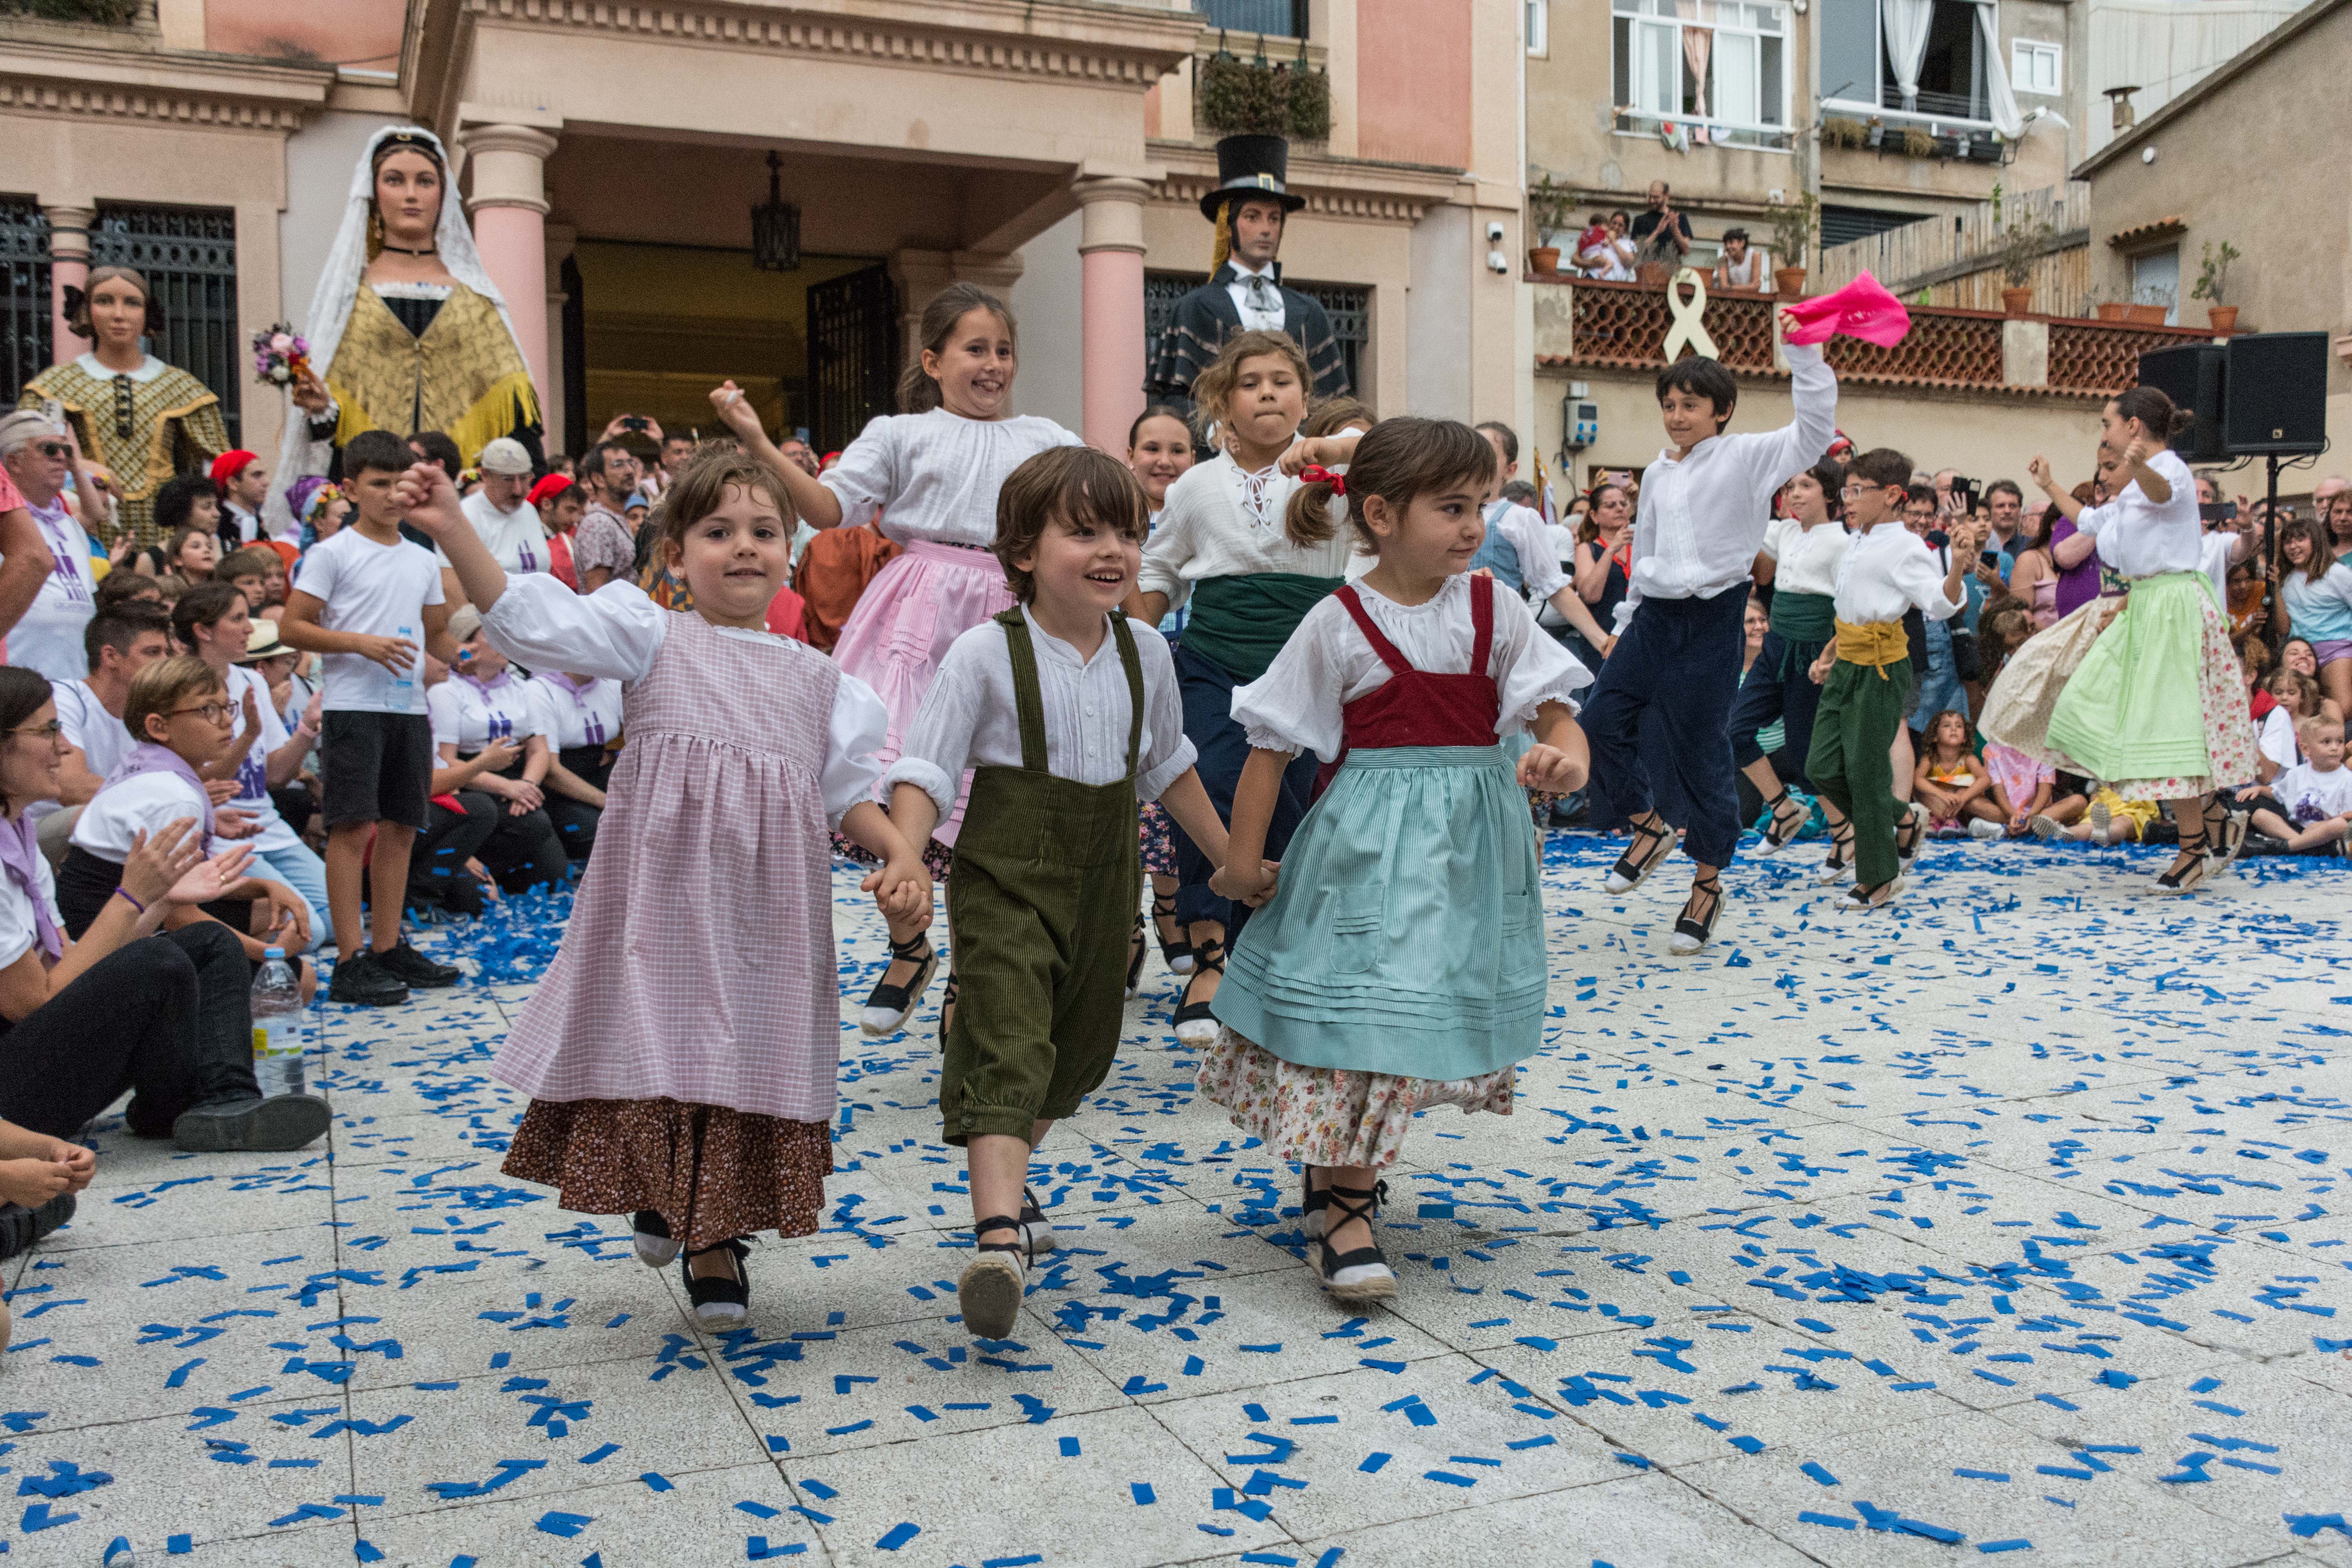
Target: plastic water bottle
{"x":281,"y":1033}
{"x":403,"y":682}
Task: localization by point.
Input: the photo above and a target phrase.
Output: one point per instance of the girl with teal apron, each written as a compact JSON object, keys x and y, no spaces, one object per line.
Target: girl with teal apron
{"x":1398,"y":964}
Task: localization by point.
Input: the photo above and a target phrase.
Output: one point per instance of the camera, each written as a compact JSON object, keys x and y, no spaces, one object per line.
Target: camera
{"x":2218,"y":511}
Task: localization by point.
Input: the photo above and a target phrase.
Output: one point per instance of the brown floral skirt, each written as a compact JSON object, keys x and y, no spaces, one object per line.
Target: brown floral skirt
{"x":711,"y":1172}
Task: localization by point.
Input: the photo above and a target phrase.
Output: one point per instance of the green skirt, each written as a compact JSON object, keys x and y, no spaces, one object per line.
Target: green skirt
{"x":1407,"y":933}
{"x":2133,"y":708}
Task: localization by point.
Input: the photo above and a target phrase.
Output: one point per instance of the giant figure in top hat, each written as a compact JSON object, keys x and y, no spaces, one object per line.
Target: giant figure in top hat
{"x":1245,"y":292}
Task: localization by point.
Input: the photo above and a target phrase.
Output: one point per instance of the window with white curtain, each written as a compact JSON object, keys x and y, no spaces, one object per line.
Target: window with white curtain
{"x":1857,"y":71}
{"x":1718,"y":64}
{"x":2034,"y":67}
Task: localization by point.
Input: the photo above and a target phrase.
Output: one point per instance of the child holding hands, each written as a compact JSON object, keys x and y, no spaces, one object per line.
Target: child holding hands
{"x":682,"y":1054}
{"x":1399,"y":963}
{"x":1068,"y":712}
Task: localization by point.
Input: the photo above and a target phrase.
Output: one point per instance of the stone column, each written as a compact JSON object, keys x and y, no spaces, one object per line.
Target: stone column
{"x":69,"y":268}
{"x":1110,"y":248}
{"x":510,"y":212}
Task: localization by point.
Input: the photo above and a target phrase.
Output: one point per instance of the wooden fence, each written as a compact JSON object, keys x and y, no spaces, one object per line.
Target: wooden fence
{"x":1956,"y":262}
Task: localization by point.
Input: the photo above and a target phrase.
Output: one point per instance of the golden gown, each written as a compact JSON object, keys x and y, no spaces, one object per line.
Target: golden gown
{"x":464,"y":376}
{"x":144,"y":431}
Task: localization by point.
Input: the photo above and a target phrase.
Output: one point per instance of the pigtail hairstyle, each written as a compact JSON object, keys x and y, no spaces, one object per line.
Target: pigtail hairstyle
{"x":918,"y":393}
{"x":1396,"y":460}
{"x":1213,"y":389}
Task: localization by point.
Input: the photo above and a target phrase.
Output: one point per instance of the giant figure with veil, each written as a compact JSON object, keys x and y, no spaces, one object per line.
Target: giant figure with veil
{"x":406,"y":331}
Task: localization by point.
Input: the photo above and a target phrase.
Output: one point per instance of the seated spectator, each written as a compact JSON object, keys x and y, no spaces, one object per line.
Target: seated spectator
{"x":212,"y":622}
{"x":39,"y":1177}
{"x":112,"y":1006}
{"x":2307,"y":809}
{"x":180,"y":715}
{"x":257,"y":573}
{"x":480,"y":706}
{"x":2294,"y":700}
{"x":191,"y":554}
{"x":580,"y":717}
{"x":127,"y":587}
{"x":120,"y":641}
{"x":297,"y":706}
{"x":2109,"y":819}
{"x":1951,"y":783}
{"x":445,"y":877}
{"x":1741,"y":265}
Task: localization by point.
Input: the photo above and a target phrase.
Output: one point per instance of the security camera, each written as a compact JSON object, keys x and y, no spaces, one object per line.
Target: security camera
{"x":1497,"y":262}
{"x":1494,"y":234}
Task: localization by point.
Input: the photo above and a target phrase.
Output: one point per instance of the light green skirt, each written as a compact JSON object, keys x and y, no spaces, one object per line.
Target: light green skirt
{"x":1407,"y":933}
{"x":2134,"y":708}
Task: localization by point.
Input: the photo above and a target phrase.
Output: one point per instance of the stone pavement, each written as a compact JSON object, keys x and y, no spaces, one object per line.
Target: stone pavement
{"x":2008,"y":1222}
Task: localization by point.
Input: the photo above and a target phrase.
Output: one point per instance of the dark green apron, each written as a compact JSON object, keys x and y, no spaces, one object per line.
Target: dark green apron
{"x":1040,"y":905}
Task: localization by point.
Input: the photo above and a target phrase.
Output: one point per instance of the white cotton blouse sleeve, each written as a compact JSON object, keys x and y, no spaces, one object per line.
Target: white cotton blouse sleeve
{"x":938,"y":745}
{"x":868,"y":475}
{"x":1295,"y":706}
{"x":1530,"y":668}
{"x":1173,"y":542}
{"x":615,"y":632}
{"x":860,"y":727}
{"x":1540,"y":571}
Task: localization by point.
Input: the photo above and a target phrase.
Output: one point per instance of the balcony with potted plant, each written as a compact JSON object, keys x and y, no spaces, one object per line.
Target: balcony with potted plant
{"x":2212,"y":278}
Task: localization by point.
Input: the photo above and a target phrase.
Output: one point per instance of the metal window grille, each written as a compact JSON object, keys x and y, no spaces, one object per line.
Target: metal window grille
{"x":188,"y":255}
{"x":1348,"y":306}
{"x":1283,"y":18}
{"x":853,"y":354}
{"x":23,"y":297}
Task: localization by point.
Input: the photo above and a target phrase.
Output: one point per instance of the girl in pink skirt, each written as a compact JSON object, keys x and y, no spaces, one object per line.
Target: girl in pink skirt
{"x":934,"y":470}
{"x":681,"y":1053}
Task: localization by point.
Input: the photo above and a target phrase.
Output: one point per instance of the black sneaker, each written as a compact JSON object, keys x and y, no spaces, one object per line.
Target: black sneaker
{"x":410,"y":967}
{"x":20,"y":1228}
{"x":365,"y":980}
{"x":278,"y":1125}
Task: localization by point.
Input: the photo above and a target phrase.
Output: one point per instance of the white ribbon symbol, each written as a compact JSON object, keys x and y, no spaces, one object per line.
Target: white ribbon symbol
{"x":1688,"y":331}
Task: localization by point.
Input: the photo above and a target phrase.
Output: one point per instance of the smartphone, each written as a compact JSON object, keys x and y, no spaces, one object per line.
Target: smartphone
{"x":2218,"y":511}
{"x":1991,"y":558}
{"x":635,"y":422}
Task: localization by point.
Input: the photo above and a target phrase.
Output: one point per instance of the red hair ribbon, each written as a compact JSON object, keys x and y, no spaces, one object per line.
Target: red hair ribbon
{"x":1317,"y":474}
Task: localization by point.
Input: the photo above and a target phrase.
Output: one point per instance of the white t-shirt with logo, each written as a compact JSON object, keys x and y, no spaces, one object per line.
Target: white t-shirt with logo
{"x":253,"y":771}
{"x":515,"y":537}
{"x":2310,"y":795}
{"x":379,"y":590}
{"x":47,"y":637}
{"x":17,"y":931}
{"x":470,"y":719}
{"x":591,"y":718}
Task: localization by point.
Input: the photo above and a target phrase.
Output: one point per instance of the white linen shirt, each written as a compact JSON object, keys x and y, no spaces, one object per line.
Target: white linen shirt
{"x":1890,"y":570}
{"x":1703,"y":515}
{"x":1540,"y":575}
{"x":1219,"y":521}
{"x":936,"y":475}
{"x":617,"y":633}
{"x":1294,"y":705}
{"x":1806,"y":560}
{"x":1253,"y":319}
{"x":2141,"y":538}
{"x":969,"y":718}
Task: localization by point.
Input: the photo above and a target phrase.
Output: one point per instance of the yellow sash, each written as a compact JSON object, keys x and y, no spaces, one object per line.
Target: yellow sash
{"x":1874,"y":644}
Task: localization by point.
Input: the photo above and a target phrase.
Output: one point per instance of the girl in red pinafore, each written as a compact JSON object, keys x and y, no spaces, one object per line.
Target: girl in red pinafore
{"x":681,"y":1053}
{"x":1400,"y":963}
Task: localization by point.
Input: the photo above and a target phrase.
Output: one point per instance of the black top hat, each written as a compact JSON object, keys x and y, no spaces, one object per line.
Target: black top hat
{"x":1251,"y":166}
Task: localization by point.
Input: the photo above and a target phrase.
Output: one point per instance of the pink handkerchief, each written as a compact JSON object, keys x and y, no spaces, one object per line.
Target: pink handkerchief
{"x":1862,"y":309}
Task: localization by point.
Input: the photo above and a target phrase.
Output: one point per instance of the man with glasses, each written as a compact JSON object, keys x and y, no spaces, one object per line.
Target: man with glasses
{"x":45,"y":634}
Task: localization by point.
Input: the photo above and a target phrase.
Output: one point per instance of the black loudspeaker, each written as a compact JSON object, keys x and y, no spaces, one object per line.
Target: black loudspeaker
{"x":2195,"y":376}
{"x":2277,"y":394}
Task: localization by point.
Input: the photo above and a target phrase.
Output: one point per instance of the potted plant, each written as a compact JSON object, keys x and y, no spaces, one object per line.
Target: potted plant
{"x":1551,"y":210}
{"x":2019,"y":249}
{"x":1793,"y":226}
{"x":2211,"y":279}
{"x":2115,"y":311}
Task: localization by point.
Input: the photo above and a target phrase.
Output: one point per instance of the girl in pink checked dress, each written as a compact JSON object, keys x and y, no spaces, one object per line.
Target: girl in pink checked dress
{"x":682,"y":1051}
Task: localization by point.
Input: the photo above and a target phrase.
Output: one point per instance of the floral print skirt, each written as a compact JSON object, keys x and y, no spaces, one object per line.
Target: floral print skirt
{"x":1156,"y":831}
{"x":711,"y":1172}
{"x":1329,"y":1116}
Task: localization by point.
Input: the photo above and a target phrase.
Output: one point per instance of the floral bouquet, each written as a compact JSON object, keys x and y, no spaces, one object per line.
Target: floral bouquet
{"x":280,"y":357}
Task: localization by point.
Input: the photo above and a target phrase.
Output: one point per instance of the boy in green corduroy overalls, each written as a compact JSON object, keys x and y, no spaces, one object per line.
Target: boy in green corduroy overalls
{"x":1069,"y":715}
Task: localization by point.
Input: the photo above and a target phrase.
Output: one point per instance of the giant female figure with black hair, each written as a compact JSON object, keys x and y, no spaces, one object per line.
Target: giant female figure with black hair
{"x":406,"y":331}
{"x":2156,"y":709}
{"x":145,"y":420}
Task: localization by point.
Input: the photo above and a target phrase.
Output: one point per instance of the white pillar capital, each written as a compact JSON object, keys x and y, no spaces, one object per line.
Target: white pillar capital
{"x":69,"y":229}
{"x":509,"y":165}
{"x":1113,"y":209}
